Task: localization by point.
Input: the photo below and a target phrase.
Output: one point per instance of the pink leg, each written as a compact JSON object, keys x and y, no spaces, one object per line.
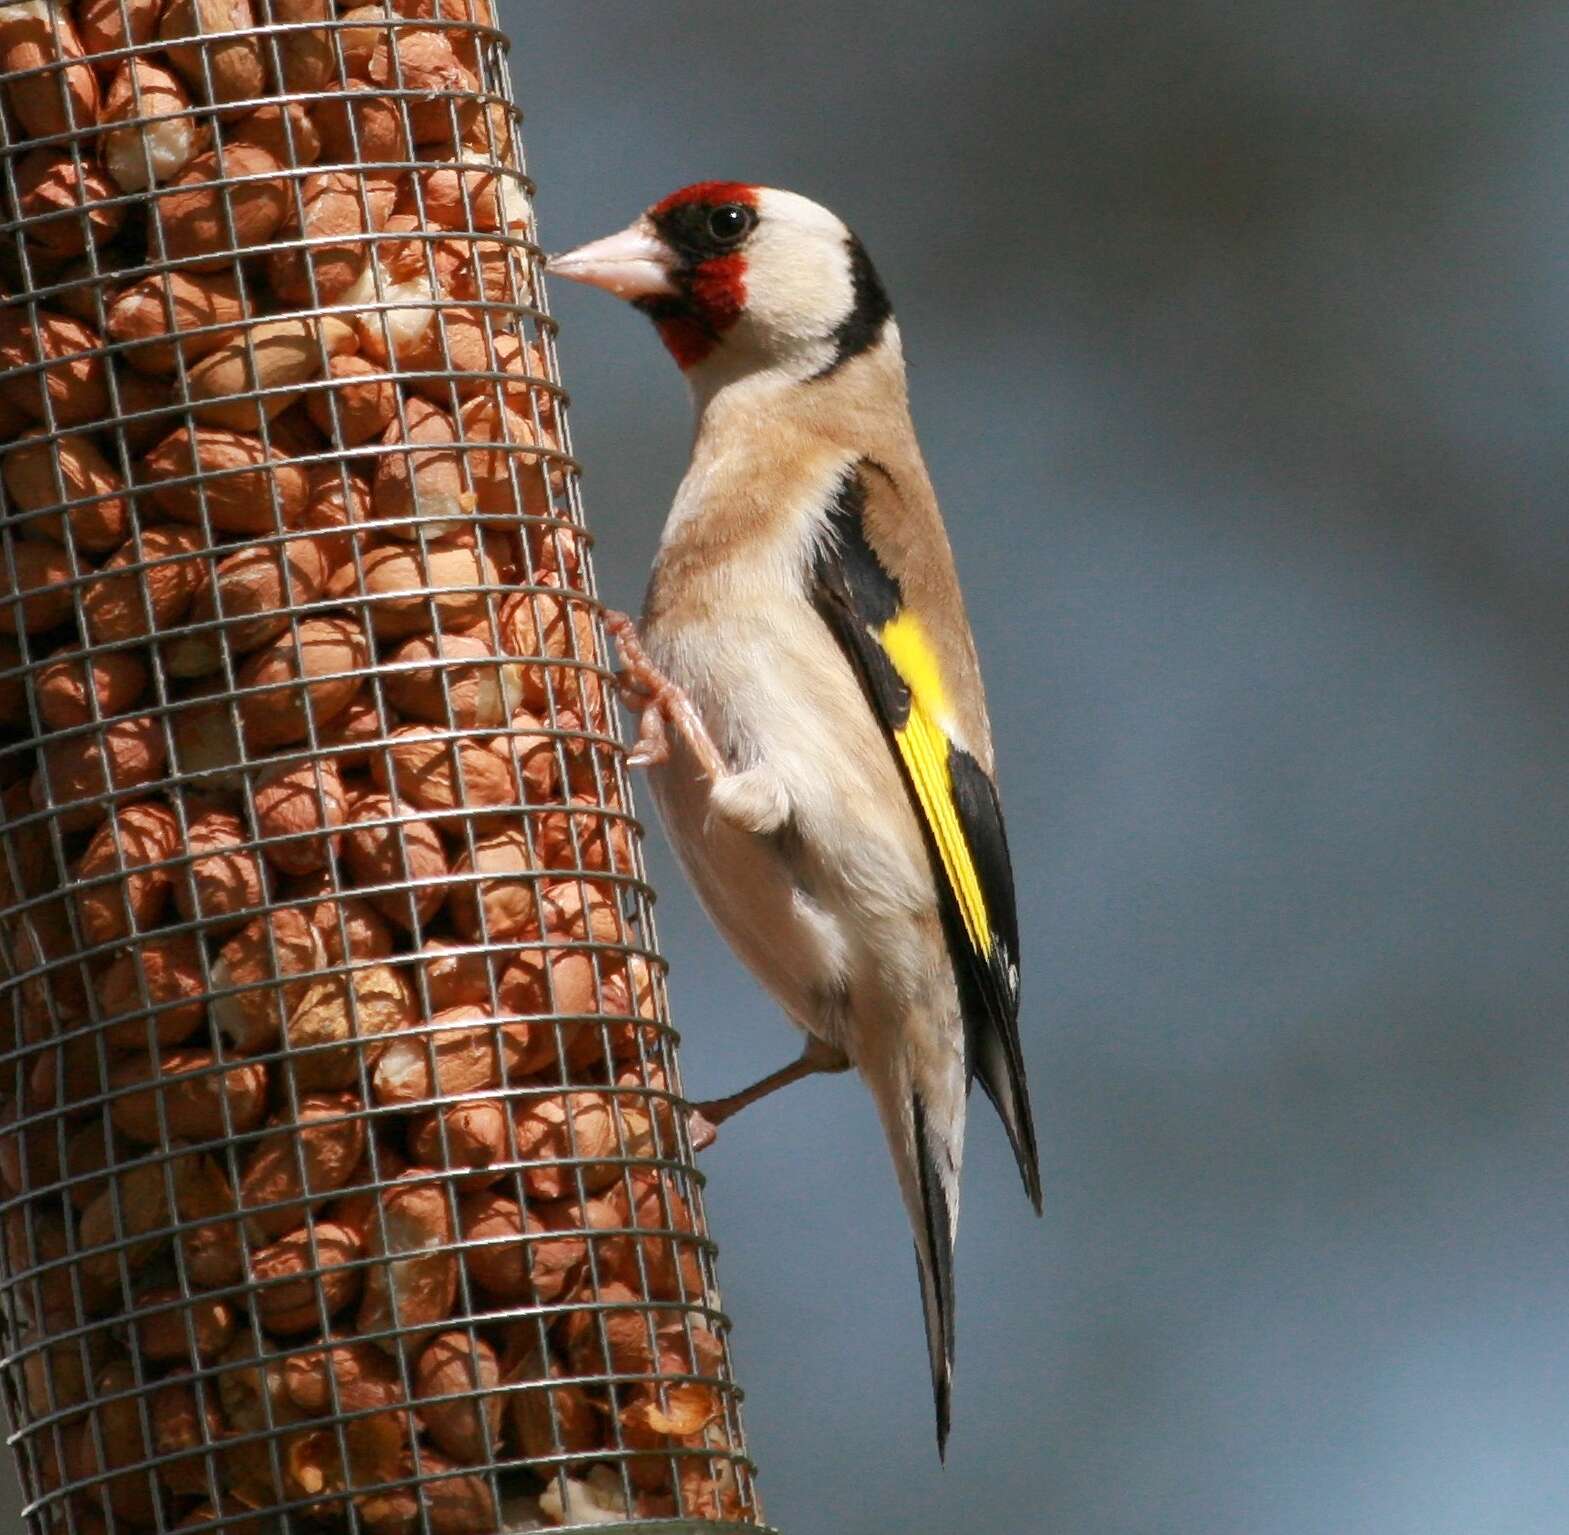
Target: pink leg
{"x":816,"y":1057}
{"x":659,"y":700}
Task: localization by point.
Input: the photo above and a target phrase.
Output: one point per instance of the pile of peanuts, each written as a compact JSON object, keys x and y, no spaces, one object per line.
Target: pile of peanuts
{"x":340,"y":1163}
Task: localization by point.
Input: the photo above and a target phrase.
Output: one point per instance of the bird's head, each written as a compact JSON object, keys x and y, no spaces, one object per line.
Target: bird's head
{"x":739,"y":278}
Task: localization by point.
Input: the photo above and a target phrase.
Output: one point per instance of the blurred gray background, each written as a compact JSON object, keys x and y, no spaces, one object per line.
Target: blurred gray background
{"x":1236,"y":337}
{"x":1236,"y":342}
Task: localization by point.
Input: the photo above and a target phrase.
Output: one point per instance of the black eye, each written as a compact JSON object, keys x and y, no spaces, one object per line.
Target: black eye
{"x":728,"y":222}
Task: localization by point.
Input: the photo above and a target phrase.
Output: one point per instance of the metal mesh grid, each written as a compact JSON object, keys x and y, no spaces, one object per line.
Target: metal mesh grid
{"x":345,"y":1175}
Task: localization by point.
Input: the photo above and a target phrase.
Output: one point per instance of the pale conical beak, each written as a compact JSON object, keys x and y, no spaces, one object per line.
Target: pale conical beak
{"x":633,"y":264}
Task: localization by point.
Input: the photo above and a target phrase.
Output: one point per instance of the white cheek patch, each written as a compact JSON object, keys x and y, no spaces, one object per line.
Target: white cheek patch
{"x":798,"y":279}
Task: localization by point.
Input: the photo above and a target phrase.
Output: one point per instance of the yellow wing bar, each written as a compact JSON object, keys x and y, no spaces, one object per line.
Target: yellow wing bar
{"x":923,"y":746}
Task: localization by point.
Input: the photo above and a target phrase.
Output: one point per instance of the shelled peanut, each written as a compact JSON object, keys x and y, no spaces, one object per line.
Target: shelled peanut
{"x":334,"y":1048}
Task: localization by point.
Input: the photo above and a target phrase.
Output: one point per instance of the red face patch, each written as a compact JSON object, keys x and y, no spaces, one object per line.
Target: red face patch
{"x":708,"y":192}
{"x":700,"y":225}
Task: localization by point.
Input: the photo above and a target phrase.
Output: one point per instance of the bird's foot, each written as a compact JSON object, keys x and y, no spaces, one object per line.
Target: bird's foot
{"x":703,"y":1131}
{"x":818,"y":1056}
{"x":751,"y":801}
{"x":657,"y":701}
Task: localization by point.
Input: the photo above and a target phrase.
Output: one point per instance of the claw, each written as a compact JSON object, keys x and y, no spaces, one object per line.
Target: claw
{"x":655,"y":694}
{"x":652,"y":747}
{"x":702,"y":1130}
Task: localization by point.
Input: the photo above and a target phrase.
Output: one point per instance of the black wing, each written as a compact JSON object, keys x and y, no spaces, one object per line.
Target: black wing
{"x":957,"y":804}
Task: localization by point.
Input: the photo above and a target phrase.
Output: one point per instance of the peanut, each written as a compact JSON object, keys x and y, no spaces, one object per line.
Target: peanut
{"x":169,"y":315}
{"x":34,"y":586}
{"x":244,"y":486}
{"x":300,"y":802}
{"x":150,"y":133}
{"x":308,"y":58}
{"x":441,"y":773}
{"x":141,"y":1199}
{"x":40,"y":474}
{"x":335,"y":499}
{"x":65,"y":205}
{"x":415,"y":1290}
{"x":547,"y":1419}
{"x":497,"y":902}
{"x":106,"y":26}
{"x":52,"y":366}
{"x":360,"y":405}
{"x":584,"y":911}
{"x":38,"y":35}
{"x":561,"y":1134}
{"x":350,"y":928}
{"x":462,"y":682}
{"x":395,"y":315}
{"x":75,"y":773}
{"x":460,"y":1054}
{"x":545,"y":624}
{"x":197,"y":1103}
{"x":306,"y":1276}
{"x":420,"y":486}
{"x":122,"y":881}
{"x":263,"y":962}
{"x":469,"y":1138}
{"x":156,"y":988}
{"x":284,"y":130}
{"x":348,"y":1377}
{"x":416,"y":591}
{"x":183,"y":1427}
{"x":496,"y":1255}
{"x":54,"y":987}
{"x":585,"y":838}
{"x":459,"y":1365}
{"x":305,"y":675}
{"x":224,"y":881}
{"x":114,"y":1440}
{"x":454,"y":976}
{"x":458,"y":341}
{"x":335,"y":1011}
{"x":334,"y":222}
{"x":224,"y":63}
{"x":210,"y":1246}
{"x":27,"y":865}
{"x":313,"y":1154}
{"x":404,"y":855}
{"x":145,"y":407}
{"x":162,"y":1315}
{"x":360,"y":126}
{"x":532,"y":758}
{"x":276,"y":355}
{"x":207,"y":745}
{"x":463,"y":196}
{"x":554,"y":987}
{"x":251,"y":593}
{"x":352,"y":734}
{"x":207,"y":215}
{"x":506,"y":476}
{"x":162,"y":572}
{"x":422,"y":71}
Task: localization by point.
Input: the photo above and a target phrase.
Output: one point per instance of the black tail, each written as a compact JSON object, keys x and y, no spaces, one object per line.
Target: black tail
{"x":1004,"y":1083}
{"x":934,"y":1260}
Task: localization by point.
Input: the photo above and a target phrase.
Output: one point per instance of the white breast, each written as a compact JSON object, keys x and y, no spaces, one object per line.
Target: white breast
{"x":805,"y":909}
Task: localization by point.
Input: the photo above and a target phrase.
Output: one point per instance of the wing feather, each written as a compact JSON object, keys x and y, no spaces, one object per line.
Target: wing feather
{"x":957,"y":803}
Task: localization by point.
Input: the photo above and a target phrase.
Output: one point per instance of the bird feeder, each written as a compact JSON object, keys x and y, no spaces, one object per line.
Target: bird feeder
{"x":345,"y":1178}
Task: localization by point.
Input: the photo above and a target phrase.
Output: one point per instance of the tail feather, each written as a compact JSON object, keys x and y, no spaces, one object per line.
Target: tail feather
{"x":1005,"y":1086}
{"x":935,"y":1223}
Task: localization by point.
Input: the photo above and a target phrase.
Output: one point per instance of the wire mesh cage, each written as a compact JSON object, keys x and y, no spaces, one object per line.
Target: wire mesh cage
{"x":346,"y":1180}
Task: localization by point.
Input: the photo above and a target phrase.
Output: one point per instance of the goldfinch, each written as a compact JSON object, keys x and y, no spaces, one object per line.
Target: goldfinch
{"x":828,"y":778}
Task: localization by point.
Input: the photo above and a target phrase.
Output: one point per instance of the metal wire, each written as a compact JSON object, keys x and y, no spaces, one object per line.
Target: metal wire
{"x":345,"y":1178}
